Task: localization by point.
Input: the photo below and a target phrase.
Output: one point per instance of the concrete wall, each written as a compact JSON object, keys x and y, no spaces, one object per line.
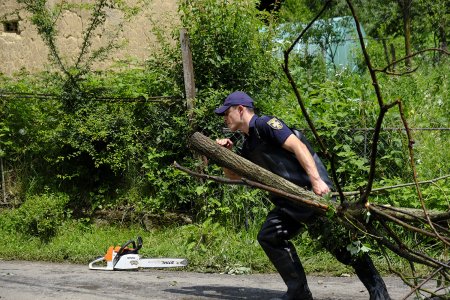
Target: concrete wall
{"x":26,"y":50}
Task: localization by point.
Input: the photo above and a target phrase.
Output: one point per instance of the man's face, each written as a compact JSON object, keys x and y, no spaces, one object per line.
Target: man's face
{"x":232,"y":118}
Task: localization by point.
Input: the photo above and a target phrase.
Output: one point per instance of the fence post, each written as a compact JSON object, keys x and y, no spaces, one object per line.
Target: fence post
{"x":189,"y":86}
{"x":188,"y":72}
{"x":3,"y":181}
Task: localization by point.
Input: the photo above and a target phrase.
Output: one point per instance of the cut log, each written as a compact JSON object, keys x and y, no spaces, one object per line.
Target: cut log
{"x":248,"y":170}
{"x":228,"y":159}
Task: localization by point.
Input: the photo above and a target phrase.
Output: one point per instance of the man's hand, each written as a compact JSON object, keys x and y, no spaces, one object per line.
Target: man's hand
{"x":227,"y":143}
{"x":319,"y":187}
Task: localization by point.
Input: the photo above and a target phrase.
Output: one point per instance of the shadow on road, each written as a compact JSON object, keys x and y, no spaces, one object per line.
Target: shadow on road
{"x":225,"y":292}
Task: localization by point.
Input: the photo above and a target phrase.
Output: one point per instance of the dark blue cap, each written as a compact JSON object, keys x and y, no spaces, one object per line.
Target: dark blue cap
{"x":235,"y":98}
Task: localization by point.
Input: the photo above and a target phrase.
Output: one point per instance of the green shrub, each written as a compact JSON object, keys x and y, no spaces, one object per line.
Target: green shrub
{"x":40,"y":215}
{"x":229,"y":50}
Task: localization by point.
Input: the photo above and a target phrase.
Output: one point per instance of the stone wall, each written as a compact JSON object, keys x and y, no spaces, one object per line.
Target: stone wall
{"x":26,"y":50}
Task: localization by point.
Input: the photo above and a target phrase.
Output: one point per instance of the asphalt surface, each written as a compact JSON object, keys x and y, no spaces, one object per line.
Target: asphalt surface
{"x":41,"y":280}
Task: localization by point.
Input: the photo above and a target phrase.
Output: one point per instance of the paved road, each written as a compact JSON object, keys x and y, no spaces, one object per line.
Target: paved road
{"x":41,"y":281}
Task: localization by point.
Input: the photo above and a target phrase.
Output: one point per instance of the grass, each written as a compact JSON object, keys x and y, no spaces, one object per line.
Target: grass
{"x":208,"y":247}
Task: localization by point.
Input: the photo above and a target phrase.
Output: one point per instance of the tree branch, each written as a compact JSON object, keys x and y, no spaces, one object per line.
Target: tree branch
{"x":208,"y":177}
{"x":291,"y":80}
{"x":385,"y":69}
{"x":351,"y":193}
{"x":404,"y":224}
{"x":322,"y":208}
{"x":417,"y":287}
{"x":413,"y":167}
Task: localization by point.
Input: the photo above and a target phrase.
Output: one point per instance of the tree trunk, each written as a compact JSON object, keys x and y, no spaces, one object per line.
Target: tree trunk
{"x":443,"y":36}
{"x":405,"y":6}
{"x":188,"y":72}
{"x":386,"y":52}
{"x":394,"y":57}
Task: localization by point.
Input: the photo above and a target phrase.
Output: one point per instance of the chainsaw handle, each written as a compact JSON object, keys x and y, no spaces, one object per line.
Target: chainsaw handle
{"x":139,"y":243}
{"x":124,"y":249}
{"x":135,"y":248}
{"x":124,"y":246}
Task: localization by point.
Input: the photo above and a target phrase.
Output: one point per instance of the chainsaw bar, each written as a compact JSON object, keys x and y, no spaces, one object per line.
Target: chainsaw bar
{"x":162,"y":262}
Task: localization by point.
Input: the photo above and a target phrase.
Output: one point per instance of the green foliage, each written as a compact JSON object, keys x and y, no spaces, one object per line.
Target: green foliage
{"x":103,"y":141}
{"x":384,"y":19}
{"x":341,"y":109}
{"x":39,"y":216}
{"x":435,"y":195}
{"x":105,"y":132}
{"x":229,"y":52}
{"x":210,"y":247}
{"x":357,"y":247}
{"x":4,"y":130}
{"x":235,"y":207}
{"x":169,"y":189}
{"x":94,"y":149}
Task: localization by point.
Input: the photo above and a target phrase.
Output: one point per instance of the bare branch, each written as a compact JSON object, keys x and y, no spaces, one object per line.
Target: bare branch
{"x":401,"y":249}
{"x":385,"y":69}
{"x":413,"y":167}
{"x":414,"y":289}
{"x":383,"y":107}
{"x":291,"y":80}
{"x":351,"y":193}
{"x":377,"y":211}
{"x":288,"y":51}
{"x":401,"y":74}
{"x":206,"y":176}
{"x":412,"y":214}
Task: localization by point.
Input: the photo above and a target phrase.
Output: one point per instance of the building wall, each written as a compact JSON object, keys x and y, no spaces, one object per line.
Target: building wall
{"x":26,"y":50}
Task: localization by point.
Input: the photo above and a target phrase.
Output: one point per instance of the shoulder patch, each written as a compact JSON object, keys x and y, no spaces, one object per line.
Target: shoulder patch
{"x":275,"y":123}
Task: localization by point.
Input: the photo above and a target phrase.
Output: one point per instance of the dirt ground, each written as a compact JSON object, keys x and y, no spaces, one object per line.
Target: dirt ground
{"x":39,"y":280}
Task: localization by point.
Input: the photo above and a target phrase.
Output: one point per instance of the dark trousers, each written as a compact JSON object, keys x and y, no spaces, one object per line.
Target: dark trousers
{"x":274,"y":237}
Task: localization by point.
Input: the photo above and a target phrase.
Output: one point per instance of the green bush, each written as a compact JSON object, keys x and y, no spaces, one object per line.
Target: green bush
{"x":40,"y":215}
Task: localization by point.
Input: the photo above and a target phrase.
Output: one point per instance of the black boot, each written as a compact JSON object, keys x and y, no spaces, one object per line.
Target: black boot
{"x":363,"y":265}
{"x":274,"y":239}
{"x":370,"y":277}
{"x":294,"y":276}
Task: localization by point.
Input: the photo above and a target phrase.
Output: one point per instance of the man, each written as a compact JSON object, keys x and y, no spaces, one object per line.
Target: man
{"x":270,"y":144}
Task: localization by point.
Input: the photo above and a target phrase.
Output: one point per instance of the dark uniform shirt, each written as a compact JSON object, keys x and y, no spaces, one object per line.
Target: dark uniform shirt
{"x":276,"y":133}
{"x":263,"y":146}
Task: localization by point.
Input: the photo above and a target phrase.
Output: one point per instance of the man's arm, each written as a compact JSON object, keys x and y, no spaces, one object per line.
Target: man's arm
{"x":304,"y":157}
{"x":227,"y":143}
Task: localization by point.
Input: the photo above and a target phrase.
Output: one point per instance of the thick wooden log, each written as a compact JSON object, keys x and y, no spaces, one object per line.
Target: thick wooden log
{"x":248,"y":170}
{"x":228,"y":159}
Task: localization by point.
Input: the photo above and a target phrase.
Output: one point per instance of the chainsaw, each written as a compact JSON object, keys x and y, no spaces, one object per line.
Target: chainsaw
{"x":126,"y":257}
